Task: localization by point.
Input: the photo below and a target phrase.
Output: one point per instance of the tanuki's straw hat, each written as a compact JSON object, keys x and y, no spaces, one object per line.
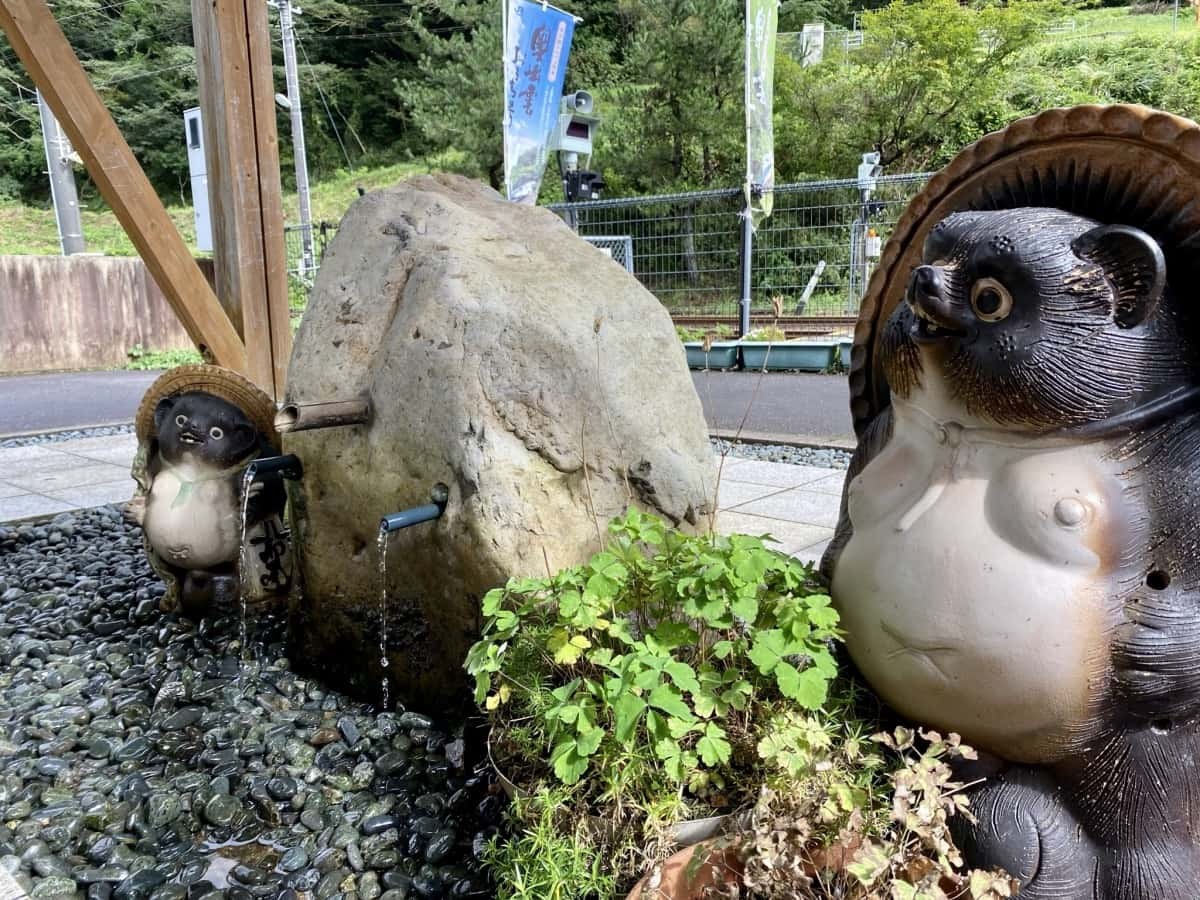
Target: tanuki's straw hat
{"x":216,"y":380}
{"x":1118,"y":164}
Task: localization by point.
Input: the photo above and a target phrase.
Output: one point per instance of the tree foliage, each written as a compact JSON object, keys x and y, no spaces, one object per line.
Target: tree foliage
{"x":926,"y":72}
{"x":389,"y":80}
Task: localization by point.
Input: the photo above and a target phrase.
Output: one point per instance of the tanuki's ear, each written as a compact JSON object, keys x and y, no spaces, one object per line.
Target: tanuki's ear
{"x":1133,"y":263}
{"x":162,"y":411}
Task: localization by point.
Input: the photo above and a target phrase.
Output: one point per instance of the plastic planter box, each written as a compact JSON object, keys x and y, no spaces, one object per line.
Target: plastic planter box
{"x":846,"y":347}
{"x":723,"y":355}
{"x":788,"y":356}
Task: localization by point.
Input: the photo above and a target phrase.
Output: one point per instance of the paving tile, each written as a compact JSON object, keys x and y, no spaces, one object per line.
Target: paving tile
{"x":85,"y":446}
{"x":831,"y":485}
{"x":812,"y":554}
{"x":730,"y":461}
{"x":96,"y":494}
{"x":796,"y":505}
{"x":28,"y":505}
{"x":117,"y":456}
{"x":77,"y":474}
{"x":781,"y":475}
{"x":790,"y":536}
{"x":20,"y":460}
{"x":10,"y":490}
{"x":732,"y":492}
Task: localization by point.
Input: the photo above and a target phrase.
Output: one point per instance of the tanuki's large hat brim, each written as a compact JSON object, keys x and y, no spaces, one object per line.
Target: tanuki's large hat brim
{"x":1117,"y":164}
{"x":216,"y":380}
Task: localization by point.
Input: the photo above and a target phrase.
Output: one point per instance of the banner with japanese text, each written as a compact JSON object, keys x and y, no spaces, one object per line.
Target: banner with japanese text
{"x":762,"y":19}
{"x":535,"y":63}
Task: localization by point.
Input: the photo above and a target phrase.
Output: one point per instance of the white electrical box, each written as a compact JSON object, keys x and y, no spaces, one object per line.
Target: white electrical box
{"x":812,"y":44}
{"x":198,"y":170}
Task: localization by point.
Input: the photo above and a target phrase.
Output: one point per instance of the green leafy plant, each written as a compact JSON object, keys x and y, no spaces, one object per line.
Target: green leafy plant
{"x":767,"y":333}
{"x":141,"y":358}
{"x":548,"y":859}
{"x":690,"y":335}
{"x":645,"y":680}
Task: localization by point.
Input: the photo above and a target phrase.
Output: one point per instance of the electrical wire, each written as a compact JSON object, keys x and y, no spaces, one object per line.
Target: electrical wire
{"x":103,"y":84}
{"x":316,"y":81}
{"x":92,"y":12}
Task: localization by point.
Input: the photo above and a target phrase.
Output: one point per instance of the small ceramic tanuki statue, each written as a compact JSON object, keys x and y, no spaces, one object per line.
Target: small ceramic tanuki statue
{"x":1018,"y":557}
{"x":199,"y":427}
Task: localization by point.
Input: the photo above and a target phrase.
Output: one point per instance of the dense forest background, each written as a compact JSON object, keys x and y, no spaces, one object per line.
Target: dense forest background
{"x":386,"y":81}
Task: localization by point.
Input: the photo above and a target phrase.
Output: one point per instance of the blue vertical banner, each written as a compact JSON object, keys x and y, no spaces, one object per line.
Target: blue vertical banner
{"x":536,"y":47}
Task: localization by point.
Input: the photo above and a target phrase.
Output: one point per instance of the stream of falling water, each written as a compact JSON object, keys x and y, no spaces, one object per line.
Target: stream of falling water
{"x":382,"y":542}
{"x":244,"y":579}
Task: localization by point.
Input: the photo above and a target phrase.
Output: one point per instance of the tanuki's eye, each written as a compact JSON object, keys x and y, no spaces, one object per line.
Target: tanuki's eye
{"x":991,"y":300}
{"x":216,"y":433}
{"x":181,"y":420}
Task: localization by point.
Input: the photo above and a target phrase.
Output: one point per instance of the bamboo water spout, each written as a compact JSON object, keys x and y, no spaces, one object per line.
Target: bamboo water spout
{"x":334,"y":414}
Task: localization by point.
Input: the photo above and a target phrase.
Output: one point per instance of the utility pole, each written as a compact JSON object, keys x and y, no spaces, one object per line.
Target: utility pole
{"x":286,"y":11}
{"x":62,"y":182}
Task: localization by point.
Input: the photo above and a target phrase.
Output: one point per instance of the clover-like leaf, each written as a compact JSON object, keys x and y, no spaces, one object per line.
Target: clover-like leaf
{"x":713,"y":747}
{"x":568,"y":765}
{"x":667,"y":698}
{"x":567,"y":648}
{"x":809,"y":688}
{"x":627,"y":712}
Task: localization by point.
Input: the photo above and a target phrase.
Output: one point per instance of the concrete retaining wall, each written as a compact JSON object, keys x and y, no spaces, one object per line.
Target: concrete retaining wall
{"x":81,"y":312}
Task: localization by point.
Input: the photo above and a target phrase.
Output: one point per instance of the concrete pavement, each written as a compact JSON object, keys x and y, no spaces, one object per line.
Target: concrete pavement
{"x":798,"y":505}
{"x":45,"y":479}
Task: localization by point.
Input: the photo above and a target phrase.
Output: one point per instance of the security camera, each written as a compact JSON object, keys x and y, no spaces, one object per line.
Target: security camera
{"x":869,"y":170}
{"x":579,"y":186}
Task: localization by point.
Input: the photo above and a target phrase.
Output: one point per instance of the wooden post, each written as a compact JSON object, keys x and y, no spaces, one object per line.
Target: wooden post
{"x":237,"y":99}
{"x":50,"y":61}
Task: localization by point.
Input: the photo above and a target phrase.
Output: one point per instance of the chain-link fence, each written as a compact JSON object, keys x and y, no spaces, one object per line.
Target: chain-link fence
{"x":301,"y":269}
{"x":815,"y":252}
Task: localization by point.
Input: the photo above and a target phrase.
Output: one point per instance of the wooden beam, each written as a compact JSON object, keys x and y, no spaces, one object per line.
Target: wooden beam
{"x":237,"y":99}
{"x":50,"y":61}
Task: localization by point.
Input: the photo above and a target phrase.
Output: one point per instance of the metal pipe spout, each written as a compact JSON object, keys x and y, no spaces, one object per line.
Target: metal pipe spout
{"x":335,"y":413}
{"x":287,"y":466}
{"x":418,"y":514}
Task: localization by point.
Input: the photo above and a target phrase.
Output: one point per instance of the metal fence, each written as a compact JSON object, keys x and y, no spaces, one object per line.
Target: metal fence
{"x":815,"y":252}
{"x":687,"y":247}
{"x":301,"y":270}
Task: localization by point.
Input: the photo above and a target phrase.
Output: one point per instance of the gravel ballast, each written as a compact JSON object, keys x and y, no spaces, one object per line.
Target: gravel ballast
{"x":141,"y":756}
{"x":825,"y":457}
{"x":57,"y":437}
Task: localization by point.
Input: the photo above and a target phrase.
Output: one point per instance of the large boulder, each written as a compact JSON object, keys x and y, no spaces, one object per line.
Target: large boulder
{"x":505,"y":358}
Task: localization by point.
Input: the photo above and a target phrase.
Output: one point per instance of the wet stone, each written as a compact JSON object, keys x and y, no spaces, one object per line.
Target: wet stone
{"x":294,"y":860}
{"x":305,"y":881}
{"x":440,"y":845}
{"x":151,"y":763}
{"x":54,"y":886}
{"x":222,"y":810}
{"x":282,"y":788}
{"x":163,"y":809}
{"x":189,"y":715}
{"x":379,"y":824}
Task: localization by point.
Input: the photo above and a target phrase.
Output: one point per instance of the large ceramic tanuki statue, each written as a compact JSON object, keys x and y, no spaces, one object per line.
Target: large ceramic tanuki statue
{"x":1018,"y":557}
{"x":198,"y":429}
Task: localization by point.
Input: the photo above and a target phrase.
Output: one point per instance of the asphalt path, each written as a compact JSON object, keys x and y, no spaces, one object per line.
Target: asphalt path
{"x":770,"y":406}
{"x":65,"y":400}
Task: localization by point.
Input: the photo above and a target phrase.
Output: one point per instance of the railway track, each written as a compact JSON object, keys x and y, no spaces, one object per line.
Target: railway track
{"x":792,"y":326}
